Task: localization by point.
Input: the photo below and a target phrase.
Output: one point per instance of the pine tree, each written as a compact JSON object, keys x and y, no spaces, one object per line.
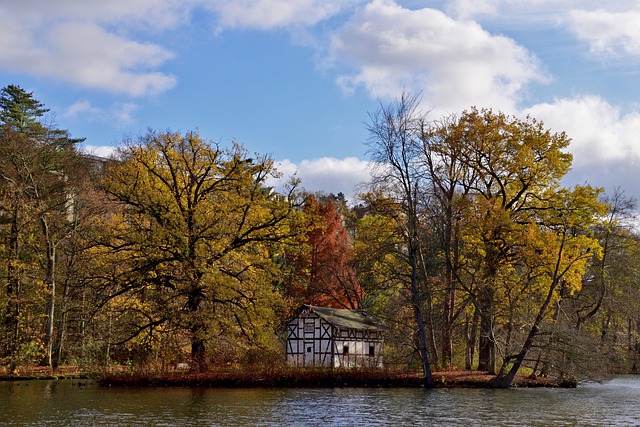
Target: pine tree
{"x":20,"y":111}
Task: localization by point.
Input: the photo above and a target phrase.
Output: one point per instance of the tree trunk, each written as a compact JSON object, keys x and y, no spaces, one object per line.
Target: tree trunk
{"x":419,"y":317}
{"x":197,"y":331}
{"x":429,"y":327}
{"x":485,"y":307}
{"x":447,"y":329}
{"x":50,"y":281}
{"x":447,"y":346}
{"x":12,"y":309}
{"x":60,"y":337}
{"x":198,"y":353}
{"x":486,"y":359}
{"x":471,"y":333}
{"x":504,"y":381}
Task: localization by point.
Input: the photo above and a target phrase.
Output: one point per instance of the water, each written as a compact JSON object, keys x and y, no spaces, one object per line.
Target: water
{"x":80,"y":403}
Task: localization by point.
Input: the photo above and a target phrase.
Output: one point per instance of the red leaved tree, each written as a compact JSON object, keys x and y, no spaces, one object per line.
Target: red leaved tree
{"x":321,"y":270}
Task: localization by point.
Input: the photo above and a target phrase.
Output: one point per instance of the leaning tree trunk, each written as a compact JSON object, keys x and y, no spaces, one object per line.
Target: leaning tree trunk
{"x":503,"y":380}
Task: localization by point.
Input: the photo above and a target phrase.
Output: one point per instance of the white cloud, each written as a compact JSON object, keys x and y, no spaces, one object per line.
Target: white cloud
{"x":80,"y":108}
{"x":158,"y":14}
{"x":118,"y":114}
{"x":605,"y":146}
{"x":455,"y":64}
{"x":123,"y":112}
{"x":599,"y":131}
{"x":98,"y":150}
{"x":81,"y":48}
{"x":467,"y":9}
{"x":607,"y":32}
{"x":269,"y":14}
{"x":327,"y":174}
{"x":532,"y":11}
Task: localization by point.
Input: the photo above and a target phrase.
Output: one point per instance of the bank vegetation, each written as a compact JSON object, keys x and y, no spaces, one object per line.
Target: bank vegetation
{"x":177,"y":253}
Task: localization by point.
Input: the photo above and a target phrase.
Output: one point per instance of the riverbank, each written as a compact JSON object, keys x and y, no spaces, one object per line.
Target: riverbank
{"x":320,"y":378}
{"x":279,"y":378}
{"x":42,"y":373}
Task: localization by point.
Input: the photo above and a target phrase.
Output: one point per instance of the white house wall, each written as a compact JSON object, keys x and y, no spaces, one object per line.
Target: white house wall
{"x":359,"y":344}
{"x":311,"y":341}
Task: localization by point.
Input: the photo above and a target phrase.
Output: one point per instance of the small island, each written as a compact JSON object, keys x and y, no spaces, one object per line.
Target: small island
{"x":463,"y":262}
{"x":321,"y":378}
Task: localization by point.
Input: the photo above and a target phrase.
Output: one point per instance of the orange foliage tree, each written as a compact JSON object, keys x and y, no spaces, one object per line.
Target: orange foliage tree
{"x":321,"y":269}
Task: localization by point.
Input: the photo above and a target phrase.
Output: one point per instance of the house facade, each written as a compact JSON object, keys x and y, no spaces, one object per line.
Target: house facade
{"x":331,"y":337}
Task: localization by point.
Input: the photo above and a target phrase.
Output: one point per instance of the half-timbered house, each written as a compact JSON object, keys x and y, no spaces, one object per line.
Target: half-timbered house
{"x":331,"y":337}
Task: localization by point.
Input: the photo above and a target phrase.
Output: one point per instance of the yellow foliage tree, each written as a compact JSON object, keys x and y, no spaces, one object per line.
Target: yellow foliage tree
{"x":196,"y":231}
{"x":555,"y":252}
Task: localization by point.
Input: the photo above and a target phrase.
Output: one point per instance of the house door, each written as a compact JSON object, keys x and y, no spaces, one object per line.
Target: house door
{"x":309,"y":353}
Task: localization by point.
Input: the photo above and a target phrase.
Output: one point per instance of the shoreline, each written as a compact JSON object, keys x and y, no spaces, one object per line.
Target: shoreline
{"x":302,"y":378}
{"x":322,"y":379}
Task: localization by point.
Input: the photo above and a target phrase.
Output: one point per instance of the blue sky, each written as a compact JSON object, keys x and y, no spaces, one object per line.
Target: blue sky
{"x":297,"y":78}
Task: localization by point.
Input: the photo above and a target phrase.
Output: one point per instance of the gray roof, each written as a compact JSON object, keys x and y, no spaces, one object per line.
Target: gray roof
{"x":347,"y":319}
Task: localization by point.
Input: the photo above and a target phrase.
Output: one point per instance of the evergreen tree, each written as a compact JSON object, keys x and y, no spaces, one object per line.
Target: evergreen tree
{"x":35,"y":198}
{"x":20,"y":111}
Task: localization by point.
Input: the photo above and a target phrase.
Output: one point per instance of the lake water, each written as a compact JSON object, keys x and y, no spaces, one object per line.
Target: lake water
{"x":81,"y":403}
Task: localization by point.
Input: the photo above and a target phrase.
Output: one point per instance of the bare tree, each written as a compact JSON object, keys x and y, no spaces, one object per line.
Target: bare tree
{"x":395,"y":133}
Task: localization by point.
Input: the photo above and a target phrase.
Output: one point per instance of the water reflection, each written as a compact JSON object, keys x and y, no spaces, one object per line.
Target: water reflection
{"x":71,"y":403}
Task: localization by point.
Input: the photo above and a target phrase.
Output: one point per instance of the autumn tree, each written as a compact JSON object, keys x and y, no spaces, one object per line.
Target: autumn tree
{"x":36,"y":159}
{"x":395,"y":131}
{"x":602,"y":315}
{"x":556,"y":257}
{"x":441,"y":152}
{"x":193,"y":241}
{"x":381,"y":268}
{"x":473,"y":192}
{"x":503,"y":167}
{"x":502,"y":175}
{"x":321,"y":267}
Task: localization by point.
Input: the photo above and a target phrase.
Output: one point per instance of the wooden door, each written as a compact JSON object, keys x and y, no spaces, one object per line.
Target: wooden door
{"x":309,"y":353}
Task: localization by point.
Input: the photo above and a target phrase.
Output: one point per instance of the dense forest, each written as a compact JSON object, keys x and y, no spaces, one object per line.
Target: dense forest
{"x":177,"y":250}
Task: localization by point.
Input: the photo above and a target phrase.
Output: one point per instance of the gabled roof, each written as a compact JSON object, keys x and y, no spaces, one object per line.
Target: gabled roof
{"x":346,"y":319}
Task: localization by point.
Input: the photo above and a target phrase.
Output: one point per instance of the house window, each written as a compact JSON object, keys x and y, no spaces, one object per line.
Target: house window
{"x":345,"y":349}
{"x":309,"y":349}
{"x":372,"y":350}
{"x":308,"y":327}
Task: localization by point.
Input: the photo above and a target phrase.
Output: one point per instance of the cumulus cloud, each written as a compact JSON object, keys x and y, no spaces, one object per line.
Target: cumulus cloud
{"x":604,"y":140}
{"x":327,"y":174}
{"x":599,"y":131}
{"x":608,"y":28}
{"x":455,"y":63}
{"x":80,"y":46}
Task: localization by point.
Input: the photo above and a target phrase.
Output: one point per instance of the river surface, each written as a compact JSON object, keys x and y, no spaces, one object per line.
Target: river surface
{"x":82,"y":403}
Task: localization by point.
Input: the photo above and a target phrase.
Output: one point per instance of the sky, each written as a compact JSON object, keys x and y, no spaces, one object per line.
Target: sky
{"x":297,"y":79}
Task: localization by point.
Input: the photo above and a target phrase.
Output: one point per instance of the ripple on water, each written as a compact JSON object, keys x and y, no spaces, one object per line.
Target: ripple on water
{"x":61,"y":404}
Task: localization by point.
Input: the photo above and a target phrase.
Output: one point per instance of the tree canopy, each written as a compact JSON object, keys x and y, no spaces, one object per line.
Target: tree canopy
{"x":178,"y":249}
{"x":194,"y":238}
